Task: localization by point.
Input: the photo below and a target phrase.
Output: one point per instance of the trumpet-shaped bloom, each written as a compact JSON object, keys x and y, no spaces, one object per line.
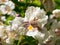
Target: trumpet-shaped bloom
{"x":36,"y":13}
{"x":56,"y":13}
{"x":7,"y":8}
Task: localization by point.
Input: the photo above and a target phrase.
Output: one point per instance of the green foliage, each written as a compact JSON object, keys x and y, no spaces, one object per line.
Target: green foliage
{"x":8,"y":18}
{"x":57,"y":4}
{"x":58,"y":19}
{"x":26,"y":40}
{"x":15,"y":42}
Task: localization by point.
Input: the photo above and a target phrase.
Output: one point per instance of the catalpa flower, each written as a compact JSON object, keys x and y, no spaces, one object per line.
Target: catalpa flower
{"x":22,"y":30}
{"x":40,"y":36}
{"x":10,"y":4}
{"x":32,"y":32}
{"x":7,"y":8}
{"x":56,"y":13}
{"x":3,"y":9}
{"x":36,"y":13}
{"x":35,"y":18}
{"x":16,"y":23}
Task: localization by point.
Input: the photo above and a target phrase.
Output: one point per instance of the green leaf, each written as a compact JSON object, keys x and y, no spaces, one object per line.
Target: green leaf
{"x":57,"y":4}
{"x":28,"y":40}
{"x":8,"y":18}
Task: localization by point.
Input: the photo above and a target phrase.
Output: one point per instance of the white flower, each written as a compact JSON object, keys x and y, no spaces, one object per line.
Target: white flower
{"x":15,"y":26}
{"x":7,"y":8}
{"x":3,"y":18}
{"x":35,"y":33}
{"x":22,"y":31}
{"x":29,"y":12}
{"x":41,"y":35}
{"x":2,"y":29}
{"x":56,"y":13}
{"x":8,"y":28}
{"x":10,"y":4}
{"x":43,"y":21}
{"x":17,"y":22}
{"x":36,"y":13}
{"x":32,"y":33}
{"x":3,"y":9}
{"x":3,"y":1}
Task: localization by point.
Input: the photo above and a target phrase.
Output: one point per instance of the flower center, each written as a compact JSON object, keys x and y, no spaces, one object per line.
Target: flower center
{"x":30,"y":27}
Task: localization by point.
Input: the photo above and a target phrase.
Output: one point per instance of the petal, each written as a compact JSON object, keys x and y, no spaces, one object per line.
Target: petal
{"x":10,"y":4}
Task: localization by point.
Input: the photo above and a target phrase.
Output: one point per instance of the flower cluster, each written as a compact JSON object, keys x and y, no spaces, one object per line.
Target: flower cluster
{"x":33,"y":24}
{"x":34,"y":18}
{"x":6,"y":7}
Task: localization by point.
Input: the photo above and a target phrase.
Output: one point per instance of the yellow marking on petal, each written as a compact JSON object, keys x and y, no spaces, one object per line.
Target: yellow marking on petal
{"x":30,"y":27}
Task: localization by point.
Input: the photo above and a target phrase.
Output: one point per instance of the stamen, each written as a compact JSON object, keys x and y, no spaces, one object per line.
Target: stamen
{"x":30,"y":27}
